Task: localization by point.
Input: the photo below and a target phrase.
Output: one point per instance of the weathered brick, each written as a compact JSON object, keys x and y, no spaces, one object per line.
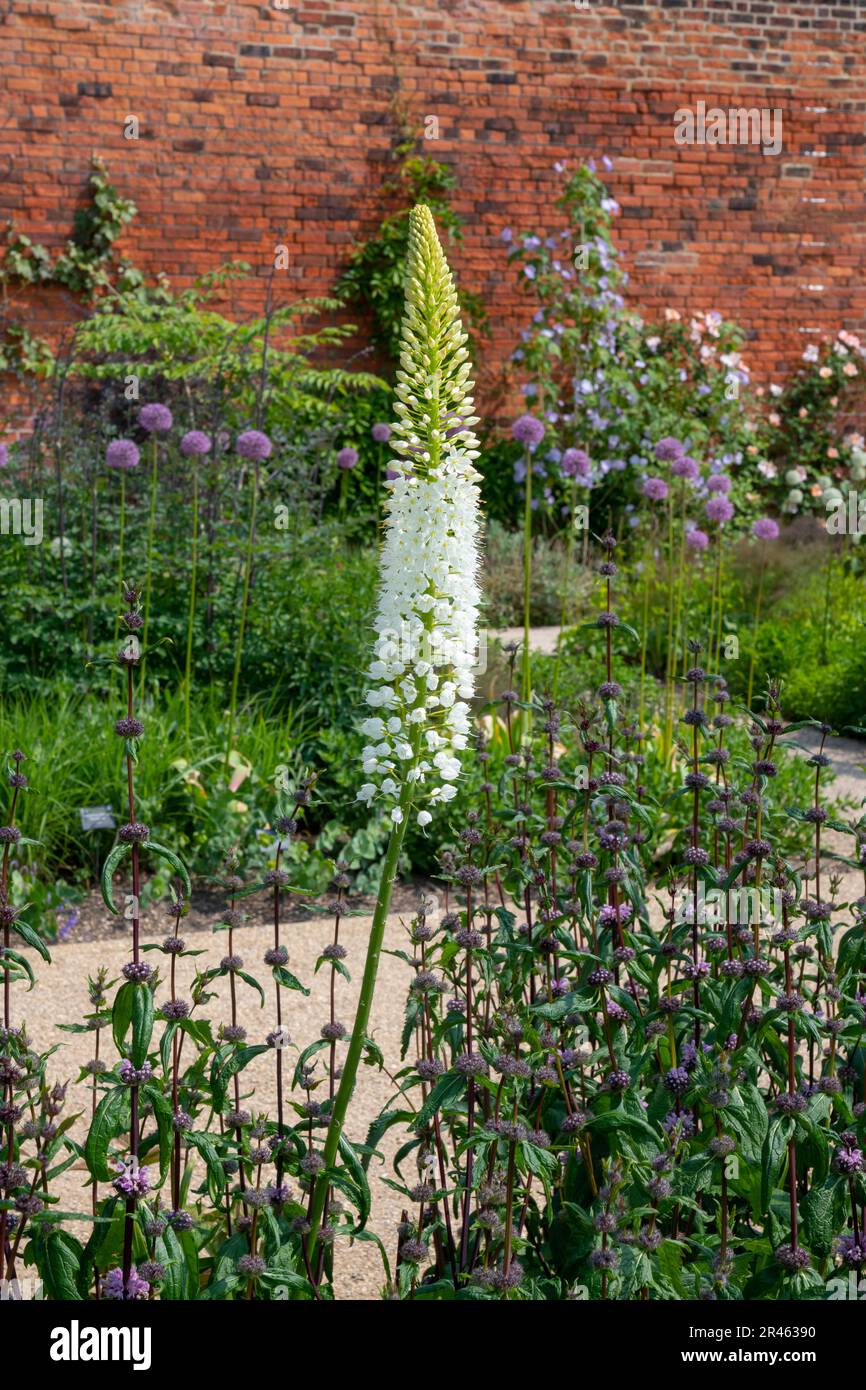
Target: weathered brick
{"x":300,"y":102}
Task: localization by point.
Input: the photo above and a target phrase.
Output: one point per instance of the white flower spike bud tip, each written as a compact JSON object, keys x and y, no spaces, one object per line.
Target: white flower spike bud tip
{"x":427,"y":619}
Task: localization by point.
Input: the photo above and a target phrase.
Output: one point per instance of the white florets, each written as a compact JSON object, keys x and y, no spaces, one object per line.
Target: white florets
{"x":425,"y":652}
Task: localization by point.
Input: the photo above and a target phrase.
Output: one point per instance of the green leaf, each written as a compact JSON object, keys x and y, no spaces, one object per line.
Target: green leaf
{"x":117,"y":853}
{"x":359,"y":1180}
{"x":110,"y":1119}
{"x":222,"y":1072}
{"x":59,"y":1259}
{"x":142,"y":1023}
{"x":162,"y":852}
{"x":163,"y":1115}
{"x":32,"y":938}
{"x":774,"y":1149}
{"x":816,"y":1210}
{"x":121,"y":1013}
{"x":285,"y":978}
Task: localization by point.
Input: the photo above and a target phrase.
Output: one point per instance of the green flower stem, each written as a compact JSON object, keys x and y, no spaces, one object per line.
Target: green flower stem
{"x":526,"y":691}
{"x":720,"y":613}
{"x":643,"y":638}
{"x":120,"y":559}
{"x":191,"y":617}
{"x":755,"y":622}
{"x":669,"y":662}
{"x":150,"y":529}
{"x":242,"y":625}
{"x":359,"y":1030}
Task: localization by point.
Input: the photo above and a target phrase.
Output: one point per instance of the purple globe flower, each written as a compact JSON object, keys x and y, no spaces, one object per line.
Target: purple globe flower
{"x":4,"y":456}
{"x":155,"y":418}
{"x":527,"y":430}
{"x":195,"y":442}
{"x":347,"y":458}
{"x":252,"y":444}
{"x":122,"y":453}
{"x":719,"y":482}
{"x":669,"y":449}
{"x":656,"y":489}
{"x":719,"y":508}
{"x":685,"y":467}
{"x":381,"y":433}
{"x":575,"y":464}
{"x":697,"y":539}
{"x":766,"y":529}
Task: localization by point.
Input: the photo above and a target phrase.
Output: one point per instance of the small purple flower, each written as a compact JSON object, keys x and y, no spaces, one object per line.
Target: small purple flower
{"x":381,"y":433}
{"x":575,"y":464}
{"x":685,"y":467}
{"x":765,"y":529}
{"x":4,"y":456}
{"x":254,"y":445}
{"x":719,"y":482}
{"x":656,"y":489}
{"x":155,"y":418}
{"x":528,"y":430}
{"x":697,"y":539}
{"x":719,"y":508}
{"x":122,"y":453}
{"x":112,"y":1284}
{"x":347,"y":458}
{"x":195,"y":442}
{"x":668,"y":449}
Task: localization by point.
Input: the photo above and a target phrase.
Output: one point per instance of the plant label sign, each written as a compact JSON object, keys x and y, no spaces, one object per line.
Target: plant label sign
{"x":97,"y":818}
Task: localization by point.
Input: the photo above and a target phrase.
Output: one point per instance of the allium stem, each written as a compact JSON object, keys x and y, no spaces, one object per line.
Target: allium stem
{"x":151,"y":521}
{"x":242,"y":621}
{"x":191,"y":616}
{"x":120,"y":556}
{"x":526,"y":687}
{"x":755,"y":622}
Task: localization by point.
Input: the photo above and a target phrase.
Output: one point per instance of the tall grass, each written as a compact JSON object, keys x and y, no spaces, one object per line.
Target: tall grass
{"x":181,"y":782}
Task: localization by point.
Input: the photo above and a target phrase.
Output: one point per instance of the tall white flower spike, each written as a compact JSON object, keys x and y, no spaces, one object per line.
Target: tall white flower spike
{"x":425,"y":651}
{"x":421,"y":673}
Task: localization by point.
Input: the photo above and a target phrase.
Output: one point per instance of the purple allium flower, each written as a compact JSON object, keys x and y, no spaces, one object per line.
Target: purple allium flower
{"x":122,"y":453}
{"x":668,"y":449}
{"x":347,"y":458}
{"x":381,"y":433}
{"x":575,"y":464}
{"x":4,"y":455}
{"x":195,"y":442}
{"x":155,"y":418}
{"x":254,"y":445}
{"x":719,"y":482}
{"x":697,"y":539}
{"x":685,"y":467}
{"x":656,"y":489}
{"x":528,"y":430}
{"x":765,"y":529}
{"x":719,"y":508}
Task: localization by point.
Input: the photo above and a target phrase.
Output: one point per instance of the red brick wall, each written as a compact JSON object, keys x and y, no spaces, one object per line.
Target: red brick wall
{"x":256,"y":118}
